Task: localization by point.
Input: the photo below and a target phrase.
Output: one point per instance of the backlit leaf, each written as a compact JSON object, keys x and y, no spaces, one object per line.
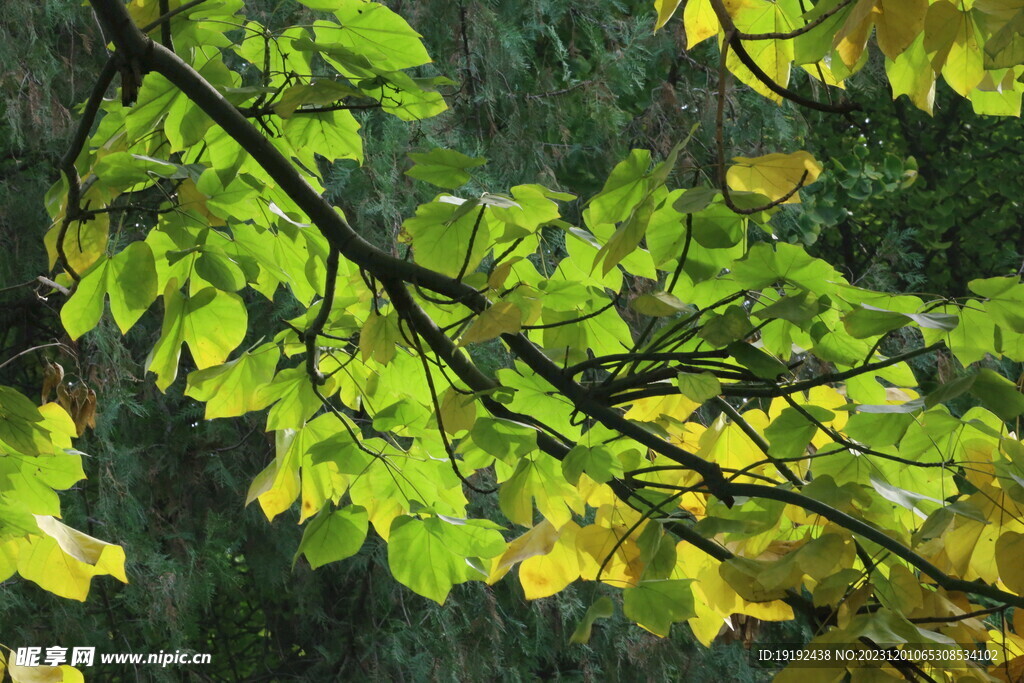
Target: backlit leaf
{"x":773,"y":175}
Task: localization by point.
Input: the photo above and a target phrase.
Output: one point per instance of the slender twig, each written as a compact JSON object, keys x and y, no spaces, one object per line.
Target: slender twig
{"x":854,"y":446}
{"x":72,"y":207}
{"x":317,"y":326}
{"x":806,"y":28}
{"x":682,"y":356}
{"x":266,"y":110}
{"x":27,"y":351}
{"x":758,"y":440}
{"x":472,"y":241}
{"x":166,"y":17}
{"x":580,"y":319}
{"x":733,"y":41}
{"x":959,"y":617}
{"x":645,"y":516}
{"x":414,"y":338}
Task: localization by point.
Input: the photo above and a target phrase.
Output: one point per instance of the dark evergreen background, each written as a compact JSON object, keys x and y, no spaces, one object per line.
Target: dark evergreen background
{"x":551,"y":91}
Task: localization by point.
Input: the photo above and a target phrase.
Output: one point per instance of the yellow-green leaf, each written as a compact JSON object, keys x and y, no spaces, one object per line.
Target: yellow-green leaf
{"x":503,"y":317}
{"x":234,"y":388}
{"x":212,"y":323}
{"x":601,"y":609}
{"x":333,"y":536}
{"x":665,"y":10}
{"x":458,"y":411}
{"x":773,"y":175}
{"x":64,"y":560}
{"x":379,"y":337}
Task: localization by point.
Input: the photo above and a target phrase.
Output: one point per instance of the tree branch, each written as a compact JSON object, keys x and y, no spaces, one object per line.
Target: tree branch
{"x":72,"y":208}
{"x":733,"y":40}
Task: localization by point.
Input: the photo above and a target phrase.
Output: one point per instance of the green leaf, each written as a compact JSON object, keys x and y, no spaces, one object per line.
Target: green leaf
{"x":539,"y":479}
{"x":443,"y":167}
{"x":760,"y":363}
{"x":626,"y":238}
{"x":659,"y":304}
{"x":503,"y":438}
{"x":998,"y":394}
{"x":440,"y":240}
{"x":869,"y":321}
{"x":624,"y":189}
{"x":212,"y":323}
{"x":334,"y":535}
{"x":429,"y":556}
{"x":796,"y":308}
{"x":598,"y":462}
{"x":718,"y":227}
{"x":789,"y":434}
{"x":292,"y":395}
{"x":373,"y":30}
{"x":332,"y":135}
{"x":910,"y":500}
{"x":130,"y":281}
{"x":601,"y":609}
{"x":235,"y":388}
{"x":724,"y":329}
{"x":379,"y":337}
{"x":878,"y":429}
{"x":695,"y":199}
{"x":698,"y":387}
{"x":656,"y":605}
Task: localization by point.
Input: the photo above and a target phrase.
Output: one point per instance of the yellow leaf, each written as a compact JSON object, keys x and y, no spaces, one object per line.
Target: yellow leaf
{"x":898,"y":23}
{"x":544,"y":575}
{"x":71,"y":674}
{"x":278,"y":485}
{"x":852,"y":38}
{"x":595,"y":543}
{"x":776,"y":610}
{"x":675,"y":406}
{"x":665,"y":9}
{"x":774,"y":57}
{"x":498,"y":276}
{"x":501,"y":318}
{"x":64,"y":560}
{"x":707,"y":624}
{"x":699,"y":22}
{"x":970,"y":546}
{"x":1010,"y":560}
{"x":458,"y":411}
{"x":35,"y":674}
{"x":907,"y":588}
{"x":726,"y":444}
{"x":537,"y":541}
{"x":820,"y":71}
{"x":773,"y":175}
